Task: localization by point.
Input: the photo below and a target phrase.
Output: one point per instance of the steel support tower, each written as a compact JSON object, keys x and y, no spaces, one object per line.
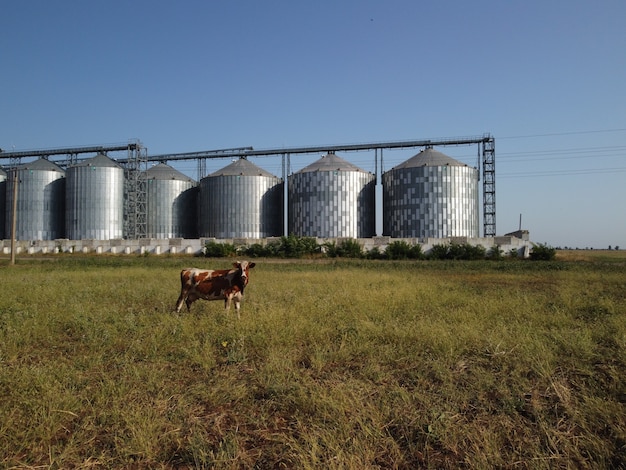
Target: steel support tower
{"x":135,"y":202}
{"x":489,"y":187}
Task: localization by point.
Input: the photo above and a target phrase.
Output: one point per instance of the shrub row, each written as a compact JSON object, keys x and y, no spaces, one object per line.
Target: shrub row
{"x":307,"y":247}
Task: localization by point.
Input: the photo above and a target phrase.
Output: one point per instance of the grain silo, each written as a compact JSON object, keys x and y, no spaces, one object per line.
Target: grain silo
{"x":171,"y":203}
{"x":3,"y":203}
{"x":40,"y":201}
{"x":241,"y":201}
{"x":95,"y":200}
{"x":430,"y":195}
{"x":332,"y":198}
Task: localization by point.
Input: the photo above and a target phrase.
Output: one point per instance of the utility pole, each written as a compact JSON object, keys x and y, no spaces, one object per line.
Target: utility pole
{"x":14,"y":217}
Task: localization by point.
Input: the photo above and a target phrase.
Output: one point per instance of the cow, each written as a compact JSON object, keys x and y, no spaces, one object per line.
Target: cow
{"x":214,"y":284}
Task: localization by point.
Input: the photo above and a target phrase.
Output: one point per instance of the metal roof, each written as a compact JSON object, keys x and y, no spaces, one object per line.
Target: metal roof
{"x":41,"y":164}
{"x":100,"y":161}
{"x":242,"y":167}
{"x":163,"y":171}
{"x":429,"y":157}
{"x":331,"y":162}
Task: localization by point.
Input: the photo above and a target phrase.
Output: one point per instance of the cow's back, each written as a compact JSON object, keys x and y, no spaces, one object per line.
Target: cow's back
{"x":206,"y":283}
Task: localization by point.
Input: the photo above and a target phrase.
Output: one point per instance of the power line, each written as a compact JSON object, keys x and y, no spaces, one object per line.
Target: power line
{"x":554,"y":134}
{"x":585,"y":171}
{"x":592,"y":150}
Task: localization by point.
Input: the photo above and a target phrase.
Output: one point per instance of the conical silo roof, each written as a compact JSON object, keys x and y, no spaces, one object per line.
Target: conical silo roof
{"x":430,"y":157}
{"x":41,"y":164}
{"x":331,"y":162}
{"x":162,"y":171}
{"x":100,"y":161}
{"x":242,"y":167}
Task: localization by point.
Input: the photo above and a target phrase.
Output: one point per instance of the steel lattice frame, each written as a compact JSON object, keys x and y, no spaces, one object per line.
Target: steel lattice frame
{"x":135,"y":203}
{"x":489,"y":187}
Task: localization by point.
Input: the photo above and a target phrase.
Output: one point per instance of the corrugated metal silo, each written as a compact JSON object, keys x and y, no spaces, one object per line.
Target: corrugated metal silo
{"x":171,"y":203}
{"x":3,"y":203}
{"x":241,"y":201}
{"x":332,"y":198}
{"x":431,"y":195}
{"x":40,"y":201}
{"x":95,"y":200}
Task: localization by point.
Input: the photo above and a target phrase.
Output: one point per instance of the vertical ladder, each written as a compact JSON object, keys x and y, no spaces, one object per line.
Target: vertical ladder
{"x":489,"y":187}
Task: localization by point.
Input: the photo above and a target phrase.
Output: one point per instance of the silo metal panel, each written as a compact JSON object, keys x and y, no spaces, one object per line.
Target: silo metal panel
{"x":40,"y":201}
{"x":431,"y":201}
{"x":171,"y":208}
{"x":241,"y":206}
{"x":332,"y":203}
{"x":95,"y":202}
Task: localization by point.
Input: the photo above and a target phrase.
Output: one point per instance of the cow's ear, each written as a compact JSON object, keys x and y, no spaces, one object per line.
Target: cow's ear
{"x":236,"y":264}
{"x":251,"y":265}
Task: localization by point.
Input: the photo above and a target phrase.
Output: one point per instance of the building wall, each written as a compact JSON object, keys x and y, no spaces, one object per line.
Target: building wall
{"x":194,"y":247}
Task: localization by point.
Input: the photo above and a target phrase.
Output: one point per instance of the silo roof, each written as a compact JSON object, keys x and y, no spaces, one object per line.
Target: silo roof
{"x":429,"y":157}
{"x":100,"y":161}
{"x":242,"y":167}
{"x":331,"y":162}
{"x":41,"y":164}
{"x":163,"y":171}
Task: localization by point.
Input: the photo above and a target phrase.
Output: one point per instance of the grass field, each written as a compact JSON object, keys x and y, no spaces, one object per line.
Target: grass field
{"x":334,"y":364}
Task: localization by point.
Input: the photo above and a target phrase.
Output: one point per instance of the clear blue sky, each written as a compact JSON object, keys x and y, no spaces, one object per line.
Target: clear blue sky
{"x":546,"y":78}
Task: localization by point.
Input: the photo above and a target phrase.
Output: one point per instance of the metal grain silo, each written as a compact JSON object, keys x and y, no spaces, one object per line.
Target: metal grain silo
{"x":241,"y":200}
{"x":40,"y":201}
{"x":3,"y":203}
{"x":430,"y":195}
{"x":171,"y":203}
{"x":332,"y":198}
{"x":95,"y":200}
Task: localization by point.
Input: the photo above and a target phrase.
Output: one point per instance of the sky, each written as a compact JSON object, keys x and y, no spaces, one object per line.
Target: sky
{"x":545,"y":78}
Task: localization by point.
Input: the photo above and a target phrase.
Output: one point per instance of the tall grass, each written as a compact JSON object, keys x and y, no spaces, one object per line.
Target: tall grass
{"x":334,"y":364}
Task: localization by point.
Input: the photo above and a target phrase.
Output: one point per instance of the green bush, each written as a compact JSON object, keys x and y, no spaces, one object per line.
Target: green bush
{"x":256,"y":250}
{"x":375,"y":253}
{"x":473,"y":252}
{"x":219,"y":250}
{"x":457,"y":251}
{"x":495,"y":253}
{"x":297,"y":247}
{"x":400,"y":249}
{"x":346,"y":249}
{"x":542,"y":252}
{"x":416,"y":252}
{"x":439,"y":251}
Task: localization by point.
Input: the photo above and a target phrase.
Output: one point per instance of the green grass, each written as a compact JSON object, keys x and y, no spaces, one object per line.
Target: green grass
{"x":334,"y":364}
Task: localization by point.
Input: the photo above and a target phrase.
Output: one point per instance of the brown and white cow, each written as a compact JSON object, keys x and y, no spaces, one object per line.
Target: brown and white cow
{"x":214,"y":284}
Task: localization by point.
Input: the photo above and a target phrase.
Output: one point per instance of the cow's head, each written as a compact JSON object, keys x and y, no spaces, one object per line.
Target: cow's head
{"x":244,"y":267}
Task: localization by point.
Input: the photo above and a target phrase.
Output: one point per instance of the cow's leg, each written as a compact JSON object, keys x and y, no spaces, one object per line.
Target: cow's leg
{"x":237,"y":300}
{"x":182,"y":298}
{"x":191,"y":298}
{"x":227,"y":298}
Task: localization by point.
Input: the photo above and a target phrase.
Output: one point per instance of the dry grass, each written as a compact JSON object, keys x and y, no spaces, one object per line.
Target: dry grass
{"x":332,"y":365}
